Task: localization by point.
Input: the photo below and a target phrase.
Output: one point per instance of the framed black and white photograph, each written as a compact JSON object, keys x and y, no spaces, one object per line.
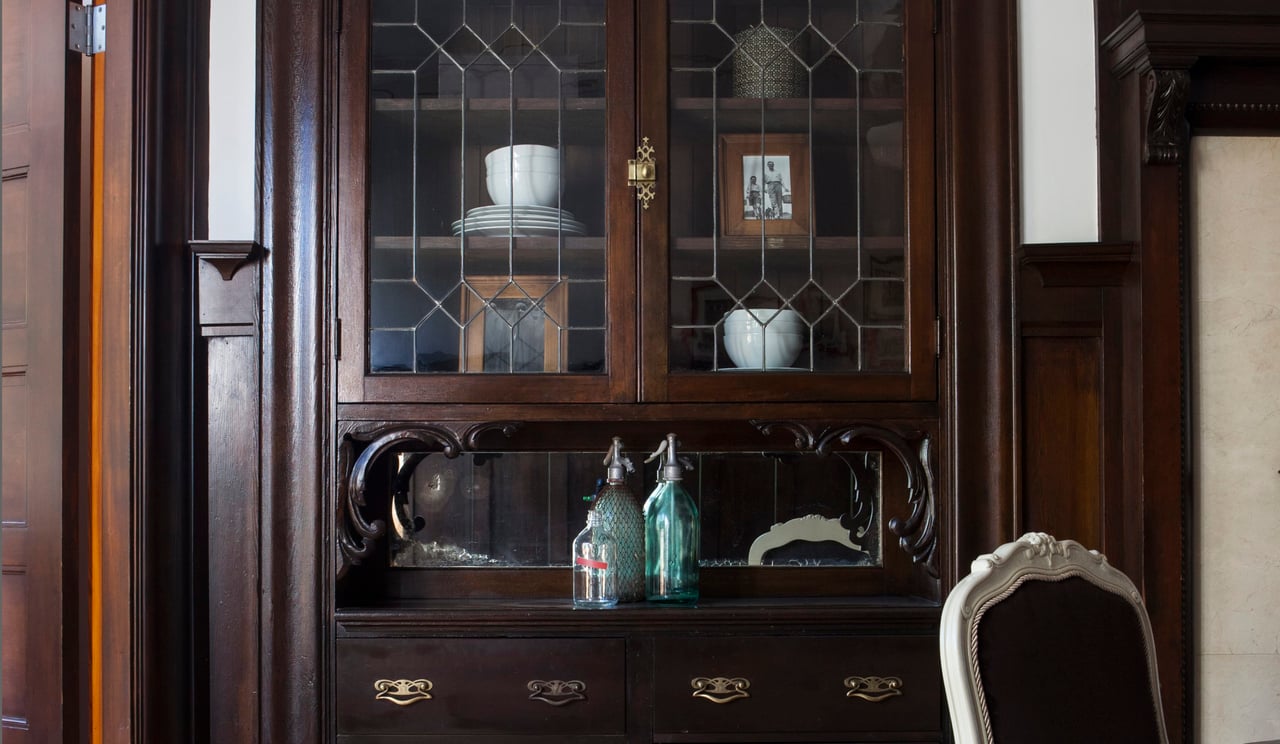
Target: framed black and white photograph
{"x":518,"y":328}
{"x":764,"y":184}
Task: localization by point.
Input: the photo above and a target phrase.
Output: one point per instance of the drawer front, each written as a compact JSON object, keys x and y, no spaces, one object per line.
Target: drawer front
{"x":811,"y":684}
{"x":481,"y":685}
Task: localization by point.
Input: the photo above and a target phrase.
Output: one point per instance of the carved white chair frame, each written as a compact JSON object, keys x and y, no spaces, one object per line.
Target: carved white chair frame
{"x":992,"y":578}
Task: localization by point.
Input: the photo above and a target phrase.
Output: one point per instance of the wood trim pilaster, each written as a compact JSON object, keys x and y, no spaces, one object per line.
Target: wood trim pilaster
{"x":1176,"y":71}
{"x":297,"y":51}
{"x":977,"y":208}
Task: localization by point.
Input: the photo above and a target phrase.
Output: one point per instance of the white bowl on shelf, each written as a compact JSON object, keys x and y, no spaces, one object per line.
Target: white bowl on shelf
{"x":524,"y":175}
{"x":763,"y":349}
{"x":755,"y":318}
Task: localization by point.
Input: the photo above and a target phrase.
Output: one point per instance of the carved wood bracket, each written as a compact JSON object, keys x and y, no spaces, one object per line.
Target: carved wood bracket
{"x":359,"y":448}
{"x":917,"y":533}
{"x":227,"y":256}
{"x":1166,"y":132}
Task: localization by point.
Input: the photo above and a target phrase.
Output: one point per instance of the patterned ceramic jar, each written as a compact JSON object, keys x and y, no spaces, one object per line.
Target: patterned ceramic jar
{"x":763,"y":67}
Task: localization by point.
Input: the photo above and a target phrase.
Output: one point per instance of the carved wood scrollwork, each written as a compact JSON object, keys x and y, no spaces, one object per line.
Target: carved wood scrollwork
{"x":917,"y":533}
{"x":357,"y":531}
{"x":1166,"y":111}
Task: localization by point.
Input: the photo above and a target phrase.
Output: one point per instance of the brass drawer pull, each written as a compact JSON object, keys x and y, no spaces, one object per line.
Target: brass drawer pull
{"x":402,"y":691}
{"x":557,"y":691}
{"x":873,"y":689}
{"x":720,"y":689}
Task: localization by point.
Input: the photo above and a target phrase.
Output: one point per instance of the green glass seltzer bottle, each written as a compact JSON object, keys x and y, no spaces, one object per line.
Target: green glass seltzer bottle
{"x":672,"y":534}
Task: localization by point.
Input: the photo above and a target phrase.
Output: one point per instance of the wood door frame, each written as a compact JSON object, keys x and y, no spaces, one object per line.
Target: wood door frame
{"x":115,"y":489}
{"x":1174,"y":75}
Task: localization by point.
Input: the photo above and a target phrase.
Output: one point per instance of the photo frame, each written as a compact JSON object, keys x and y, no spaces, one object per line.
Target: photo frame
{"x":488,"y":341}
{"x":777,"y":201}
{"x":884,"y":301}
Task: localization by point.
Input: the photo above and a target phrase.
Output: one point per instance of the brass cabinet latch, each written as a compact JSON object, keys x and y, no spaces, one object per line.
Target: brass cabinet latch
{"x":642,"y":173}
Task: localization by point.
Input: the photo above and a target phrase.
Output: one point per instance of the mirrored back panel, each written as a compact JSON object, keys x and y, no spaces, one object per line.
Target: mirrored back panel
{"x":514,"y":509}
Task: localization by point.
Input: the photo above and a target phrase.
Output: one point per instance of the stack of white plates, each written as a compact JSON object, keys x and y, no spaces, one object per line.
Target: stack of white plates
{"x":520,"y":221}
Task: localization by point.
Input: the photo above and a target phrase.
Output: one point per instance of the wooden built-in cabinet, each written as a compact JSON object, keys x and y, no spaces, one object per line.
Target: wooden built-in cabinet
{"x":490,"y":347}
{"x":383,"y":490}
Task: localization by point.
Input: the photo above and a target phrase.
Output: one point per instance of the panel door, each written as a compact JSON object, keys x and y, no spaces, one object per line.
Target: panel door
{"x":34,"y":264}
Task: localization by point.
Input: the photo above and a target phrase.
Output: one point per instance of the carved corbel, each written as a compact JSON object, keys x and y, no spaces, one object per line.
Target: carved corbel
{"x":1166,"y":132}
{"x":358,"y":531}
{"x":917,"y":533}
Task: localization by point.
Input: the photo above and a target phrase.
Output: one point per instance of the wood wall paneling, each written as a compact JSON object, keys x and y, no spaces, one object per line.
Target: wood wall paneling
{"x":228,"y":520}
{"x":1062,"y":486}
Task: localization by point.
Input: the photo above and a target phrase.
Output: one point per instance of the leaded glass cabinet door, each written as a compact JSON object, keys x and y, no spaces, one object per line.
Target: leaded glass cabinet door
{"x":789,"y":253}
{"x":484,"y":255}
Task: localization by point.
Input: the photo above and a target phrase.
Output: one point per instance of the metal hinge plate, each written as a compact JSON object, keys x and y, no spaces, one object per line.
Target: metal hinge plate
{"x":86,"y":28}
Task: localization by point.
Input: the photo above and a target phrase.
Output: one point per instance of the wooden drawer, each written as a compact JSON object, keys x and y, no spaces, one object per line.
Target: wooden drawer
{"x":481,"y":685}
{"x":795,"y":685}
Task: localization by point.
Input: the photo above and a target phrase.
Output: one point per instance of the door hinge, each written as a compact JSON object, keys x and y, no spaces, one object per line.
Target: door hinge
{"x":937,"y":337}
{"x":86,"y":28}
{"x":337,"y":338}
{"x":937,"y":16}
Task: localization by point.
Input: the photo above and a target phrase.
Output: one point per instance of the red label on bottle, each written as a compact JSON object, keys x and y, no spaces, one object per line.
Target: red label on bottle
{"x":589,"y":563}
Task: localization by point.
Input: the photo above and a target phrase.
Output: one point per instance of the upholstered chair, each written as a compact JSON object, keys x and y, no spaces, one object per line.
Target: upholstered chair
{"x":1046,"y":643}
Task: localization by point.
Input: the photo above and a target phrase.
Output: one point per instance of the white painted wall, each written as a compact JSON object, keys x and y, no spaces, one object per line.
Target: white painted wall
{"x":233,"y":88}
{"x":1058,"y":114}
{"x":1235,"y":389}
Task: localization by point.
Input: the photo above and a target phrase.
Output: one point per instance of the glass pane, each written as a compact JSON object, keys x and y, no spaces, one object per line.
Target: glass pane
{"x":486,"y":187}
{"x":787,"y":182}
{"x":524,"y":508}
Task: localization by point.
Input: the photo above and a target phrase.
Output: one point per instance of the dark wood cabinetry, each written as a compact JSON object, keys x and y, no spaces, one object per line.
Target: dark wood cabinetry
{"x":299,"y":440}
{"x":621,"y":308}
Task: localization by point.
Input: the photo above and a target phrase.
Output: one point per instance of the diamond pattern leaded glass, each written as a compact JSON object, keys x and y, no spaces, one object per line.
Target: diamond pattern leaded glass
{"x":788,"y":184}
{"x":486,"y":190}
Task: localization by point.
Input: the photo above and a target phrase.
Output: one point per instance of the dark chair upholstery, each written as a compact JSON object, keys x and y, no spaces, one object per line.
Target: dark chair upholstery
{"x":1046,"y":643}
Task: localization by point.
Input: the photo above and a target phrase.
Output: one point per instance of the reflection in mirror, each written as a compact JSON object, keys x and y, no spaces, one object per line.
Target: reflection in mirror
{"x":514,"y":509}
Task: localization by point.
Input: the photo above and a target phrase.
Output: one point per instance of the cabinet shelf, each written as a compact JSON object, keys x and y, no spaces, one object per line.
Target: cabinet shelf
{"x":489,"y":104}
{"x":581,"y":258}
{"x":830,"y":116}
{"x":754,"y":105}
{"x":450,"y":243}
{"x":408,"y":617}
{"x":877,"y":245}
{"x":489,"y":119}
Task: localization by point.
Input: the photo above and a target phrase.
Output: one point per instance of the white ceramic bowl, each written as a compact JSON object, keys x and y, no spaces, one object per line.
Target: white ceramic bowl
{"x":752,"y":319}
{"x":524,"y":175}
{"x":763,"y":349}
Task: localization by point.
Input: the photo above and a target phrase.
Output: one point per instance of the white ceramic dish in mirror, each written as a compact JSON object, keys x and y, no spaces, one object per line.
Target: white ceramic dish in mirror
{"x":523,"y":175}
